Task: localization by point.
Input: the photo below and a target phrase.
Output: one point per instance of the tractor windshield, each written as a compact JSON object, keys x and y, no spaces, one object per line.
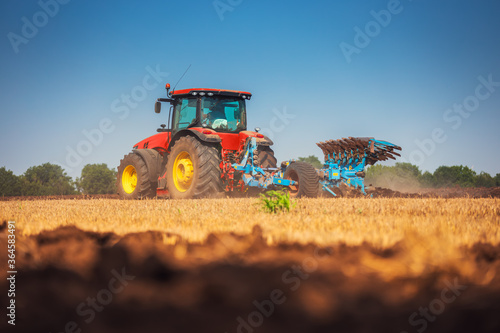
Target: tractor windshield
{"x":223,"y":113}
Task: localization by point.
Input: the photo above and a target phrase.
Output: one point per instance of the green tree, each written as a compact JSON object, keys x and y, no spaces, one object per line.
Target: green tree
{"x":47,"y":179}
{"x":446,"y":176}
{"x":313,"y":160}
{"x":10,"y":184}
{"x":373,"y":171}
{"x":484,"y":180}
{"x":427,"y":179}
{"x":407,"y":170}
{"x":497,"y":179}
{"x":97,"y":179}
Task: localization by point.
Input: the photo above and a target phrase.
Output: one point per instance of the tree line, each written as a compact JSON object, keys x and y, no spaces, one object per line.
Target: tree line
{"x":51,"y":179}
{"x":408,"y":175}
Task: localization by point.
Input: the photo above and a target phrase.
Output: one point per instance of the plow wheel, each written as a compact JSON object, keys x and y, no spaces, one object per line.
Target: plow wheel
{"x":193,"y":170}
{"x":307,"y":178}
{"x":132,"y":181}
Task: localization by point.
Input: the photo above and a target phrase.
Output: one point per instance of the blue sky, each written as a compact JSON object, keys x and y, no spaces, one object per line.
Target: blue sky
{"x":83,"y":82}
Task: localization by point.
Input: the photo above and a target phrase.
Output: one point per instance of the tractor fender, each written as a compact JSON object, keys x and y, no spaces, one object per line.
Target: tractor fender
{"x":212,"y":138}
{"x":153,"y":160}
{"x":265,"y":141}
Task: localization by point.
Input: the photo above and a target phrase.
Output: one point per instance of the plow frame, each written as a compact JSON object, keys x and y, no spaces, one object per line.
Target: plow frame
{"x":255,"y":176}
{"x":345,"y":166}
{"x":346,"y":160}
{"x":332,"y":174}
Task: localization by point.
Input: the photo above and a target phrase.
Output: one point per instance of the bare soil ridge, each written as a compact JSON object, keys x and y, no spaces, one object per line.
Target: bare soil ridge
{"x":225,"y":285}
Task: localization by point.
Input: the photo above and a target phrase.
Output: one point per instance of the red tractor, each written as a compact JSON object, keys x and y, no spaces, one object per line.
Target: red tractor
{"x":207,"y":150}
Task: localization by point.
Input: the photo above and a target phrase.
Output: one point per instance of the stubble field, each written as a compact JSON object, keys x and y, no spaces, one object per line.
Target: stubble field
{"x":223,"y":265}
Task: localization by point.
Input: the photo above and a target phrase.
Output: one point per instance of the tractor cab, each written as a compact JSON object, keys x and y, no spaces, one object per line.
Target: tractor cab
{"x":214,"y":109}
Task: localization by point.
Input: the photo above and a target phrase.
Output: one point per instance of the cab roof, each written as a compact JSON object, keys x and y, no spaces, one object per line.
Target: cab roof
{"x":210,"y":92}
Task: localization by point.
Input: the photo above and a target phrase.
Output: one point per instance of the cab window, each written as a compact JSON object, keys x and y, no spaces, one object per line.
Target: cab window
{"x":185,"y":113}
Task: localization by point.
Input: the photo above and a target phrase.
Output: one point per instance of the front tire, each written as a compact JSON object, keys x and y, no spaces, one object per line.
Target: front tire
{"x":193,"y":170}
{"x":132,"y":181}
{"x":306,"y":177}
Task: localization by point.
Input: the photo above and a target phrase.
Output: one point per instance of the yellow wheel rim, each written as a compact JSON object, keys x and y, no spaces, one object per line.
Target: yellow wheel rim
{"x":129,"y":179}
{"x":183,"y":172}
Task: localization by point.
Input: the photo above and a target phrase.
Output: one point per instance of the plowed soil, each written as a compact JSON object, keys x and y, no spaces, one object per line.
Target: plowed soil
{"x":450,"y":192}
{"x":71,"y":279}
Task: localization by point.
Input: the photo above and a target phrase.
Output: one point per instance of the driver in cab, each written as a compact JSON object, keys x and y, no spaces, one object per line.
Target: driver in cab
{"x":216,"y":117}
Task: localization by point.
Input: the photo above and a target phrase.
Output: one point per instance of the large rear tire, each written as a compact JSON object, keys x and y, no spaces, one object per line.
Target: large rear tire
{"x":132,"y":180}
{"x":265,"y":157}
{"x":307,"y":178}
{"x":193,"y":170}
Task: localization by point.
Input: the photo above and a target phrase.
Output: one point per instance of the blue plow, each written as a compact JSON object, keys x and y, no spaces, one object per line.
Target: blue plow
{"x":255,"y":176}
{"x":345,"y":162}
{"x":346,"y":159}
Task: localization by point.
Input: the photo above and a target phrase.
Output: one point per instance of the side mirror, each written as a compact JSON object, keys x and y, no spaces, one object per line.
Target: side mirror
{"x":157,"y":107}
